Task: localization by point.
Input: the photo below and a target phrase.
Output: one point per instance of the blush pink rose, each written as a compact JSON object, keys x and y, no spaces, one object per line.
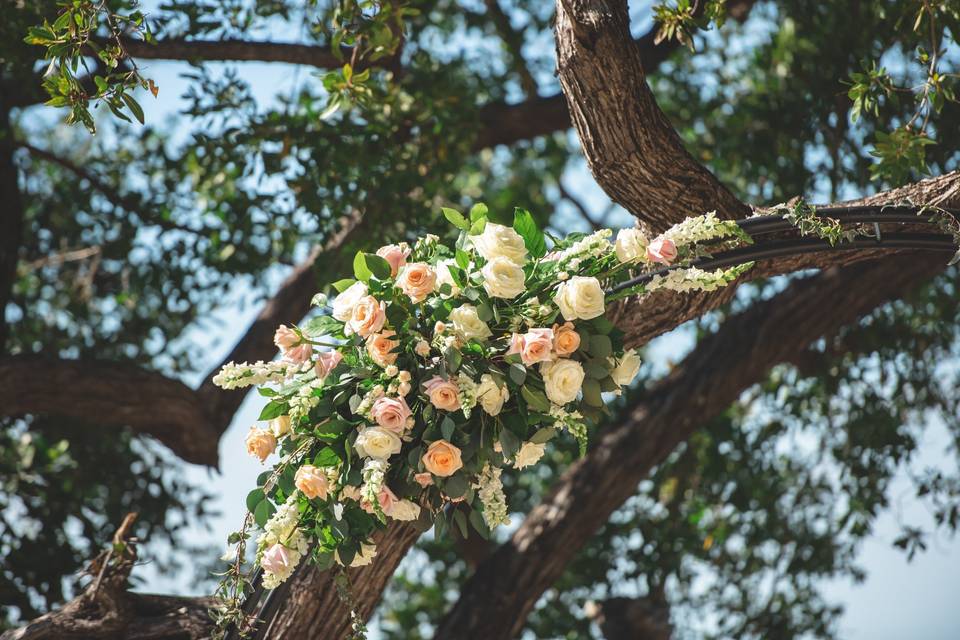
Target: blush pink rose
{"x":424,"y":479}
{"x":367,"y":317}
{"x":276,"y":559}
{"x":443,"y":394}
{"x":566,"y":340}
{"x":387,"y":499}
{"x":298,"y":354}
{"x":396,"y":255}
{"x":662,"y":250}
{"x":260,"y":443}
{"x":285,"y":338}
{"x":442,"y":458}
{"x":533,"y":346}
{"x":391,"y":414}
{"x":327,"y":361}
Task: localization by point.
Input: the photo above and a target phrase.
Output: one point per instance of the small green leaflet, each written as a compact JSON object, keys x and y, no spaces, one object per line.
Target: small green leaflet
{"x":526,"y":226}
{"x":456,"y":218}
{"x":366,"y":265}
{"x":342,"y":285}
{"x":478,"y":211}
{"x":535,"y":399}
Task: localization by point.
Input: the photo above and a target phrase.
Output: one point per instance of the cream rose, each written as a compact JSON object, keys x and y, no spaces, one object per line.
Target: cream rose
{"x":312,"y":482}
{"x":377,"y":442}
{"x":580,"y":297}
{"x":279,"y":426}
{"x":368,"y":317}
{"x":442,"y":459}
{"x":631,"y":245}
{"x":529,"y":454}
{"x":344,"y":303}
{"x":380,"y":347}
{"x":444,"y":277}
{"x":417,"y":280}
{"x":443,"y":394}
{"x":490,"y":395}
{"x":562,"y":379}
{"x":260,"y":443}
{"x":404,"y":510}
{"x":395,"y":255}
{"x":627,"y":369}
{"x":498,"y":241}
{"x":566,"y":340}
{"x":468,"y":324}
{"x":502,"y":278}
{"x":391,"y":413}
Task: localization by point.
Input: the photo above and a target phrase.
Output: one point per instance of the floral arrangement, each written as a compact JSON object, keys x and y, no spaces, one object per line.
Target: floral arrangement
{"x":433,"y":369}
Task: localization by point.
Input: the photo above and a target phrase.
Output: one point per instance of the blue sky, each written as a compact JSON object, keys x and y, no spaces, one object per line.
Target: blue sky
{"x":897,"y":600}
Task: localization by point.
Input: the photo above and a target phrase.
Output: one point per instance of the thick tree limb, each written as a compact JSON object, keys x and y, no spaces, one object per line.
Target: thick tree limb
{"x":496,"y":600}
{"x":11,"y":219}
{"x":632,"y":150}
{"x":111,"y":393}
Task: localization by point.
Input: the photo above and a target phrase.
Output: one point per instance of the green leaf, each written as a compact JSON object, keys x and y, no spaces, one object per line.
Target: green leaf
{"x":322,"y":326}
{"x":591,"y":393}
{"x":254,"y":498}
{"x":600,"y":346}
{"x":509,"y":442}
{"x":456,"y":485}
{"x":447,"y":428}
{"x":543,"y":435}
{"x":274,"y":409}
{"x":478,"y":211}
{"x":526,"y":226}
{"x":379,"y":266}
{"x":343,"y":285}
{"x":461,"y":520}
{"x":535,"y":399}
{"x":476,"y":519}
{"x":456,"y":218}
{"x":360,"y":269}
{"x":462,"y":258}
{"x":263,"y":512}
{"x":477,"y":227}
{"x":326,"y":458}
{"x":134,"y":106}
{"x":484,"y":312}
{"x":518,"y":373}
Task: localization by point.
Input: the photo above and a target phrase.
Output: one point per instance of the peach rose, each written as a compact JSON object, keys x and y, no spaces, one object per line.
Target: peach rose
{"x":442,"y":459}
{"x":443,"y":394}
{"x":424,"y":479}
{"x":391,"y":413}
{"x":396,"y":255}
{"x":260,"y":443}
{"x":327,"y":361}
{"x":381,"y":347}
{"x":662,"y":250}
{"x":367,"y":317}
{"x":298,"y":354}
{"x":285,"y":338}
{"x":565,"y":339}
{"x":312,"y":482}
{"x":417,"y":280}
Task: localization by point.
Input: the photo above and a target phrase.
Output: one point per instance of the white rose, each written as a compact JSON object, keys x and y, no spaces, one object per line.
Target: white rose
{"x":498,"y":241}
{"x":444,"y":277}
{"x":502,"y":278}
{"x":344,"y":303}
{"x":529,"y":454}
{"x":631,"y":245}
{"x":468,"y":324}
{"x":562,"y":379}
{"x":491,"y":395}
{"x":280,"y":426}
{"x":580,"y":297}
{"x":627,"y":368}
{"x":405,"y":510}
{"x":377,"y":442}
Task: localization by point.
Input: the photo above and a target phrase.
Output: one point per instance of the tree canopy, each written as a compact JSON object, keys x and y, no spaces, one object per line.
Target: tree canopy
{"x":757,"y":465}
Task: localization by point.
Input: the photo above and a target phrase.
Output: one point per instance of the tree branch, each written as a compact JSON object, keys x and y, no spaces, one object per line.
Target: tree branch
{"x":111,"y":393}
{"x":513,"y":42}
{"x":11,"y":220}
{"x":631,"y":148}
